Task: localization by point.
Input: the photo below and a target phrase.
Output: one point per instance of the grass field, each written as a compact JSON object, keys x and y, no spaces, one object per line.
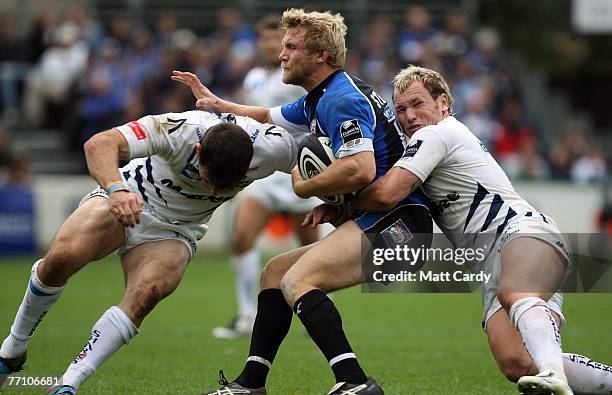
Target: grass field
{"x":411,"y":343}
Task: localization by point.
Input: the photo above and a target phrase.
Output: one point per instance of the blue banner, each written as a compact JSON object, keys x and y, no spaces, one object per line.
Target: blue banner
{"x":17,"y":221}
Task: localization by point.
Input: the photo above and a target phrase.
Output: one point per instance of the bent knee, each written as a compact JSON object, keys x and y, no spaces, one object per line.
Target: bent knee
{"x":272,"y":273}
{"x":515,"y":367}
{"x":143,"y":297}
{"x":60,"y":262}
{"x":242,"y":242}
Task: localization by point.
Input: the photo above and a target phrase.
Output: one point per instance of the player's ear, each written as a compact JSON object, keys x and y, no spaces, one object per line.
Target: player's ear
{"x":322,"y":57}
{"x":198,"y":149}
{"x":443,"y":102}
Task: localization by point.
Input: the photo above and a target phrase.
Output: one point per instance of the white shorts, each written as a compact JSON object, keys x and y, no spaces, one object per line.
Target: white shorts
{"x":536,"y":226}
{"x":154,"y":227}
{"x":275,"y":192}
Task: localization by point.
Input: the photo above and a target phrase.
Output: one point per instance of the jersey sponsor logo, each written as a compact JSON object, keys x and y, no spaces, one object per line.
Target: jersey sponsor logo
{"x":138,"y":130}
{"x":412,"y":148}
{"x":397,"y":234}
{"x":350,"y":130}
{"x":254,"y":135}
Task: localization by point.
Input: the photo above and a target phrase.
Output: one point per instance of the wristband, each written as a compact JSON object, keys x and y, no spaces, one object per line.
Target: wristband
{"x":117,"y":187}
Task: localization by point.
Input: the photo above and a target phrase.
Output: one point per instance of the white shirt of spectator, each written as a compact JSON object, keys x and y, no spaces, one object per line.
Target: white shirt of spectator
{"x":163,"y":165}
{"x":469,"y":191}
{"x":265,"y":88}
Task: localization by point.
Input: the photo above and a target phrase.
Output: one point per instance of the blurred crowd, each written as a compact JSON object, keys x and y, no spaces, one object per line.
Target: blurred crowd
{"x":71,"y":72}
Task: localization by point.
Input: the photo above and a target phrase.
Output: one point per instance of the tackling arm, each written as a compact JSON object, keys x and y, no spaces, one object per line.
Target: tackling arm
{"x":387,"y":191}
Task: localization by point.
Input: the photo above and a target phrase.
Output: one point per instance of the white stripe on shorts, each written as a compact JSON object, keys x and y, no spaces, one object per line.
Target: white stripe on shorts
{"x":341,"y":357}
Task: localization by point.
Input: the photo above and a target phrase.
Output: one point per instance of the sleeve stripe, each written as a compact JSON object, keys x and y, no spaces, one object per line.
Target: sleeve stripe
{"x":365,"y":97}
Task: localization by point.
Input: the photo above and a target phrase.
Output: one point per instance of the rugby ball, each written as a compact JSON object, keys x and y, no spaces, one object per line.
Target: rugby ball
{"x":315,"y":154}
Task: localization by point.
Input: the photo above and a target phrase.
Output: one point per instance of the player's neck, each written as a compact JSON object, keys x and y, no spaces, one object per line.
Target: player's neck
{"x":319,"y":76}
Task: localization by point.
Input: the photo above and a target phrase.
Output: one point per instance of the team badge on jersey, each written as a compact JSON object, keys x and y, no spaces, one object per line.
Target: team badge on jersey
{"x":412,"y":148}
{"x":397,"y":234}
{"x":313,"y":126}
{"x":350,"y":130}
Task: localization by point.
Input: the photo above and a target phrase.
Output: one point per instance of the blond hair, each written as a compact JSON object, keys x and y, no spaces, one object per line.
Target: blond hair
{"x":325,"y":31}
{"x":431,"y":80}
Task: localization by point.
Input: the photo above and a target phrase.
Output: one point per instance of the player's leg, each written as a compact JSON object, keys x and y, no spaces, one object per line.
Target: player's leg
{"x":334,"y":263}
{"x":91,"y":232}
{"x":532,"y":270}
{"x":584,"y":375}
{"x":152,"y":271}
{"x":272,"y":322}
{"x":250,"y":218}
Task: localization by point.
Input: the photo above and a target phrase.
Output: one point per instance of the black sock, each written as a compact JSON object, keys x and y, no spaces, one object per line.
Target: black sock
{"x":271,"y":326}
{"x":324,"y":325}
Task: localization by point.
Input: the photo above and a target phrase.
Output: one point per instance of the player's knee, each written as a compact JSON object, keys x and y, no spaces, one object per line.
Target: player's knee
{"x":241,"y":243}
{"x":272,"y":274}
{"x":59,"y":263}
{"x":288,"y":284}
{"x":506,"y":299}
{"x":145,"y":295}
{"x":514,"y":367}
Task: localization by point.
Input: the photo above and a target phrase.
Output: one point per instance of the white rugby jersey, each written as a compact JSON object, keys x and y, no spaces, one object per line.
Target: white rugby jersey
{"x":469,"y":191}
{"x":163,"y":165}
{"x":264,"y":87}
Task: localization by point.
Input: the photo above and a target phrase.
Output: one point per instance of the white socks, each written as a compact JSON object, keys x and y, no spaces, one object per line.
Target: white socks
{"x":586,"y":376}
{"x":532,"y":318}
{"x":109,"y":333}
{"x":37,"y":300}
{"x":246,"y":271}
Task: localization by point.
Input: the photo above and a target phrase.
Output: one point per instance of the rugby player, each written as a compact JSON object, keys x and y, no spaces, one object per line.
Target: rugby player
{"x":182,"y":166}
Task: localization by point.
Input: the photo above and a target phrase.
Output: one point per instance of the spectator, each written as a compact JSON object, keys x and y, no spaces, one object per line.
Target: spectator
{"x":51,"y":80}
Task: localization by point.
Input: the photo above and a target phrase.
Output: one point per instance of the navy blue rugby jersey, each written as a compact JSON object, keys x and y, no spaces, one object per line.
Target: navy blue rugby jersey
{"x":353,"y":116}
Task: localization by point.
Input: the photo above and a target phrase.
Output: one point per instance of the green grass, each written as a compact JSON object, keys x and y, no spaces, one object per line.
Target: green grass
{"x":411,"y":343}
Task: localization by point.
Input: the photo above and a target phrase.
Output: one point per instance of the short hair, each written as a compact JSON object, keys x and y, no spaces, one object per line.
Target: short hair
{"x":268,"y":22}
{"x":431,"y":80}
{"x":225,"y":155}
{"x":326,"y":31}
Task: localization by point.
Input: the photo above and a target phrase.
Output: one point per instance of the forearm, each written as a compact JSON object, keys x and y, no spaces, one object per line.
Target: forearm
{"x":386,"y":192}
{"x":260,"y":114}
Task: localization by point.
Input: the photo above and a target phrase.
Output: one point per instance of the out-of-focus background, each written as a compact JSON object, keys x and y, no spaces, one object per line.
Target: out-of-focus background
{"x":531,"y":78}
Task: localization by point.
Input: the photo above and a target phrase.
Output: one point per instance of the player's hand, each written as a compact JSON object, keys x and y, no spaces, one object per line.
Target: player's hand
{"x":321,"y":214}
{"x":126,"y":207}
{"x":299,"y":184}
{"x":205,"y":98}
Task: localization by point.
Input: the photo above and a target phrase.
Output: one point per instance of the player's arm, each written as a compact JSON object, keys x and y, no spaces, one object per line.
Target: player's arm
{"x":344,"y":175}
{"x":426,"y":150}
{"x":103,"y":152}
{"x":386,"y":192}
{"x":211,"y":102}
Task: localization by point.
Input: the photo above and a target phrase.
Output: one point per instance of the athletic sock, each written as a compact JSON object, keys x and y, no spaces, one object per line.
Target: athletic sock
{"x":109,"y":333}
{"x":324,"y":325}
{"x":532,"y":318}
{"x":246,"y":275}
{"x":272,"y":324}
{"x":36,"y":302}
{"x":586,"y":376}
